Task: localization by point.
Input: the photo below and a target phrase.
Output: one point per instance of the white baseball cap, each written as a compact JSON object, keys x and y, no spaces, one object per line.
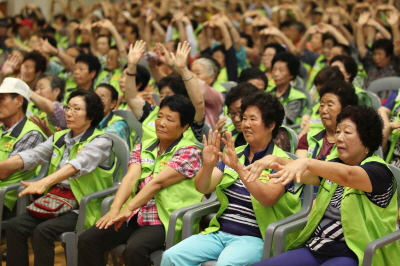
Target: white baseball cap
{"x":14,"y":85}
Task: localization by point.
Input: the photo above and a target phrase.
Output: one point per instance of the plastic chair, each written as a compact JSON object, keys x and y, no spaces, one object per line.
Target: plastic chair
{"x":385,"y":86}
{"x":206,"y":128}
{"x":294,"y":139}
{"x":157,"y":255}
{"x":5,"y":189}
{"x":133,"y":123}
{"x":228,"y":85}
{"x":375,"y":100}
{"x":156,"y":98}
{"x":379,"y":152}
{"x":283,"y":231}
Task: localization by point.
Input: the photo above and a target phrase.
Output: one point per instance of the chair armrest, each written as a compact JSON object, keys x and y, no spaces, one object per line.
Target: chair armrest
{"x":181,"y":212}
{"x":378,"y":243}
{"x":85,"y":200}
{"x":106,"y":204}
{"x":283,"y":231}
{"x":190,"y":216}
{"x":3,"y":192}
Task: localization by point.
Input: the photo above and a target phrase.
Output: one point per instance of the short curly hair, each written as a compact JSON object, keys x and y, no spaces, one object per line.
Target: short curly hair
{"x":343,"y":90}
{"x":271,"y":109}
{"x":370,"y":129}
{"x":94,"y":105}
{"x":239,"y":92}
{"x":182,"y":105}
{"x":292,"y":62}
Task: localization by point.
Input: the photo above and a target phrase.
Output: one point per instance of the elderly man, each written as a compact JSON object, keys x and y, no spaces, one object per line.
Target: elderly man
{"x":17,"y":133}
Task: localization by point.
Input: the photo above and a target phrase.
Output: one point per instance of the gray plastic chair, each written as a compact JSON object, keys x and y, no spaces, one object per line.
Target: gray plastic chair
{"x":206,"y":129}
{"x":156,"y":98}
{"x":133,"y":123}
{"x":385,"y":86}
{"x":157,"y":255}
{"x":375,"y":100}
{"x":228,"y":85}
{"x":283,"y":231}
{"x":294,"y":139}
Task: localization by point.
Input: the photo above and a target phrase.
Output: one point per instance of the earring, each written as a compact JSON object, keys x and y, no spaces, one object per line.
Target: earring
{"x":366,"y":151}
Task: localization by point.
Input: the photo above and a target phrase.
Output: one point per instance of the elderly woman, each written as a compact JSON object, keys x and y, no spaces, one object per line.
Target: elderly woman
{"x":235,"y":235}
{"x":335,"y":96}
{"x":357,"y":200}
{"x":159,"y":181}
{"x":80,"y":162}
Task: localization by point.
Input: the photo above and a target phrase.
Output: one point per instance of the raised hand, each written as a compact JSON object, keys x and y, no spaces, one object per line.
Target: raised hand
{"x":211,"y":148}
{"x":136,"y":52}
{"x":10,"y":65}
{"x":220,"y":125}
{"x":163,"y":55}
{"x":392,"y":17}
{"x":42,"y":123}
{"x":46,"y":47}
{"x":230,"y":157}
{"x":180,"y":59}
{"x":362,"y":20}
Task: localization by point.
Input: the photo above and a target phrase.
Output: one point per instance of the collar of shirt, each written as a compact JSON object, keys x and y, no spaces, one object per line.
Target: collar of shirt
{"x":285,"y":95}
{"x":11,"y":128}
{"x":70,"y":141}
{"x":257,"y":155}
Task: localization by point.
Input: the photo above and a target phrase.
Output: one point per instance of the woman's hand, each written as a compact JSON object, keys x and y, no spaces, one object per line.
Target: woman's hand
{"x":220,"y":125}
{"x":364,"y":17}
{"x":42,"y":123}
{"x":11,"y":63}
{"x":393,"y":17}
{"x":181,"y":57}
{"x":107,"y":220}
{"x":164,"y":56}
{"x":230,"y":157}
{"x":395,"y":125}
{"x":211,"y":148}
{"x":37,"y":187}
{"x":255,"y":169}
{"x":121,"y":218}
{"x":136,"y":52}
{"x":289,"y":172}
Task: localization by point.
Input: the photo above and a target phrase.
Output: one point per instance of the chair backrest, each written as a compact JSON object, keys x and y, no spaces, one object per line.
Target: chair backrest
{"x":156,"y":98}
{"x":294,"y":139}
{"x":309,"y":97}
{"x":206,"y":129}
{"x":121,"y":151}
{"x":384,"y":86}
{"x":228,"y":85}
{"x":133,"y":123}
{"x":379,"y":152}
{"x":396,"y":173}
{"x":375,"y":100}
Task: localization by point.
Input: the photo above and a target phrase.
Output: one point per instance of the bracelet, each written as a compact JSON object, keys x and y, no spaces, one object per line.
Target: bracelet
{"x":187,"y":78}
{"x":130,"y":74}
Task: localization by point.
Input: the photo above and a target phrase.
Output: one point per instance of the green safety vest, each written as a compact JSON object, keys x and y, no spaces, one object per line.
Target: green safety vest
{"x":149,"y":127}
{"x":103,"y":77}
{"x":315,"y":139}
{"x":318,"y":65}
{"x":97,"y":180}
{"x":362,"y":220}
{"x":363,"y":98}
{"x":173,"y":197}
{"x":315,"y":121}
{"x":394,"y":137}
{"x":7,"y":143}
{"x":34,"y":110}
{"x":69,"y":80}
{"x":287,"y":205}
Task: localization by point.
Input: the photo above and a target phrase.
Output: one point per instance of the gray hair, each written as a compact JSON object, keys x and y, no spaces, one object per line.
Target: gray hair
{"x":55,"y":82}
{"x":210,"y":66}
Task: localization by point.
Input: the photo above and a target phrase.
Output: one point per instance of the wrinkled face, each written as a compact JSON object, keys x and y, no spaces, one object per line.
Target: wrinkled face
{"x":220,"y":57}
{"x":253,"y":127}
{"x":165,"y":91}
{"x":348,"y":141}
{"x":259,"y":83}
{"x":102,"y":45}
{"x":43,"y":88}
{"x":316,"y":41}
{"x":267,"y":57}
{"x":342,"y":68}
{"x":106,"y":98}
{"x":81,"y":73}
{"x":28,"y":71}
{"x":34,"y":42}
{"x":281,"y":74}
{"x":168,"y":125}
{"x":235,"y":113}
{"x":9,"y":106}
{"x":201,"y":72}
{"x":129,"y":36}
{"x":329,"y":108}
{"x":332,"y":52}
{"x":112,"y":59}
{"x":76,"y":119}
{"x":380,"y":58}
{"x":122,"y":81}
{"x":23,"y":31}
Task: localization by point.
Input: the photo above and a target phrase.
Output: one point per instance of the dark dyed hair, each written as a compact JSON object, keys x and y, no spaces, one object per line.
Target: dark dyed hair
{"x":106,"y":36}
{"x":278,"y":48}
{"x":94,"y":105}
{"x":328,"y":36}
{"x":349,"y":64}
{"x":91,"y":61}
{"x":142,"y":77}
{"x":368,"y":122}
{"x":328,"y":74}
{"x":175,"y":83}
{"x":343,"y":90}
{"x":111,"y":89}
{"x":345,"y":48}
{"x":239,"y":92}
{"x":292,"y":62}
{"x":252,"y":73}
{"x":219,"y":48}
{"x":182,"y":105}
{"x":250,"y":42}
{"x":55,"y":82}
{"x":299,"y":26}
{"x":271,"y":109}
{"x":62,"y":17}
{"x":384,"y":44}
{"x":24,"y":103}
{"x":39,"y":59}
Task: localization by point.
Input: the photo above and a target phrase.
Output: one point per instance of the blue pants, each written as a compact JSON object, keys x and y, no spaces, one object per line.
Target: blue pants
{"x":227,"y":249}
{"x":303,"y":257}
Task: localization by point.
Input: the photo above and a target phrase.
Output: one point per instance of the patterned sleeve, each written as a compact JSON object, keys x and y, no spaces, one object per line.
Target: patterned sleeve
{"x":119,"y":128}
{"x":187,"y":161}
{"x":27,"y":142}
{"x":135,"y":155}
{"x":58,"y":117}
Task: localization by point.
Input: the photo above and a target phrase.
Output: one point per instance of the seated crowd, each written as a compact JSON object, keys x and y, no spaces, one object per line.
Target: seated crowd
{"x":241,"y":104}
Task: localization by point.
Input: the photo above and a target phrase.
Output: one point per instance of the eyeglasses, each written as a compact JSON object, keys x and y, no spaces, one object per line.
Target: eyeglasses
{"x":234,"y":114}
{"x":74,"y":110}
